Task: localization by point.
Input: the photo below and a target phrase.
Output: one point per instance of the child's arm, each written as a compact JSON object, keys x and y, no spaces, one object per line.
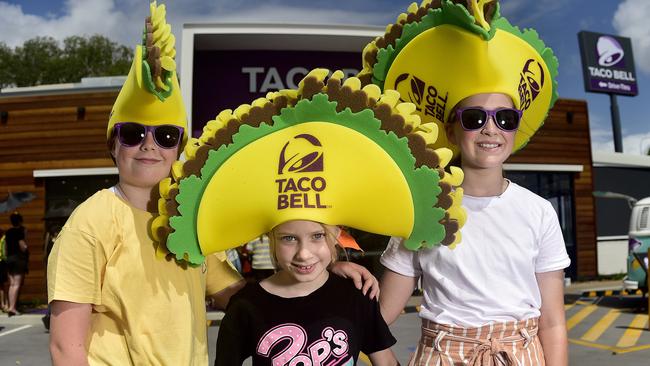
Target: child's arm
{"x":384,"y":357}
{"x":69,"y":327}
{"x":362,"y":278}
{"x":552,"y":323}
{"x":222,"y":281}
{"x":396,"y":290}
{"x":219,"y":300}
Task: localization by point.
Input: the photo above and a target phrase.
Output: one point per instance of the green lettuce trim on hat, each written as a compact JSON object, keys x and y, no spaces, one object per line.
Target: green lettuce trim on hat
{"x":149,"y":83}
{"x":423,"y":181}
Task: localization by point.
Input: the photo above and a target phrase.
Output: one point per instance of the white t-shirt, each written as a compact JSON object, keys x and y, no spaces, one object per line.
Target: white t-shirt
{"x":490,"y":275}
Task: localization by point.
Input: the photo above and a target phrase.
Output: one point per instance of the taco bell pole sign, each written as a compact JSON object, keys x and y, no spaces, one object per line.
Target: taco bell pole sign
{"x":607,"y":64}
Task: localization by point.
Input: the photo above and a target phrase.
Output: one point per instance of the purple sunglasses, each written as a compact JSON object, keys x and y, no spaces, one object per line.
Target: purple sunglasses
{"x":132,"y":134}
{"x":475,"y":118}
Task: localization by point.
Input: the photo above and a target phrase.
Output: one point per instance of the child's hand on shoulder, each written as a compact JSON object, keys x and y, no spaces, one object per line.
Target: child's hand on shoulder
{"x":362,"y":278}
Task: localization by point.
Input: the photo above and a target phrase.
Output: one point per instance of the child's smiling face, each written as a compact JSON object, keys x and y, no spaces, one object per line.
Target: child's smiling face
{"x":304,"y":250}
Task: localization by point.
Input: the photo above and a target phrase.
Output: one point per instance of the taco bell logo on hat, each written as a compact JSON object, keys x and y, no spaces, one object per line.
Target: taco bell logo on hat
{"x":531,"y":82}
{"x":301,"y":154}
{"x":424,"y":96}
{"x":304,"y":155}
{"x":610,"y":53}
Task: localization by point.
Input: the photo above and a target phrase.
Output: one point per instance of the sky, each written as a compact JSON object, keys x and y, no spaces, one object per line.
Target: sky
{"x":556,"y":21}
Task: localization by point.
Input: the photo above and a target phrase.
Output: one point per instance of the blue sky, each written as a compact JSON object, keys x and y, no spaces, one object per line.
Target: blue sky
{"x":557,"y":21}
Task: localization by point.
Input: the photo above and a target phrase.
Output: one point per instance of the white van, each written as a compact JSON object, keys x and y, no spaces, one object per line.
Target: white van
{"x":639,"y":243}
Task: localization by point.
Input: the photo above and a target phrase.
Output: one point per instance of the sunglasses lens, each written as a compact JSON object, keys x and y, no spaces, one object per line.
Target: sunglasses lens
{"x":167,"y":136}
{"x":131,"y":134}
{"x":507,"y":119}
{"x":473,"y":119}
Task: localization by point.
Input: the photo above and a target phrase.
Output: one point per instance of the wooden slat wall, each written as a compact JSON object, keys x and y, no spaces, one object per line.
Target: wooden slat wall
{"x":48,"y":132}
{"x":565,"y":139}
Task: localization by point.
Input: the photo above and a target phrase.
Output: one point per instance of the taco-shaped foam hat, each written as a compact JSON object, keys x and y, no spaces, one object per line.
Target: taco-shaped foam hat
{"x":329,"y":152}
{"x":442,"y":52}
{"x":151,"y":94}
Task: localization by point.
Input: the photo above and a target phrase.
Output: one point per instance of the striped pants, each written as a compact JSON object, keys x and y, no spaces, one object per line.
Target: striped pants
{"x":513,"y":343}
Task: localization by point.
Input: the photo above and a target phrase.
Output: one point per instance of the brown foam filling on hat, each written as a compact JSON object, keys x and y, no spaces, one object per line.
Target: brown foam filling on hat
{"x":153,"y":52}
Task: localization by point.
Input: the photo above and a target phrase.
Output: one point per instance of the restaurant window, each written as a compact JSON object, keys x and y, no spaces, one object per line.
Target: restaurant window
{"x":64,"y":194}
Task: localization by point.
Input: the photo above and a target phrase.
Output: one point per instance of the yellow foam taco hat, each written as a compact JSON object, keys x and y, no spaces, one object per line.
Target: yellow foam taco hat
{"x":437,"y":56}
{"x":151,"y":94}
{"x":329,"y":152}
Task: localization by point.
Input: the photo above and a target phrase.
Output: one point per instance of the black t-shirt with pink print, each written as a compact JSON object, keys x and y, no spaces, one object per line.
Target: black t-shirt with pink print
{"x":328,"y":327}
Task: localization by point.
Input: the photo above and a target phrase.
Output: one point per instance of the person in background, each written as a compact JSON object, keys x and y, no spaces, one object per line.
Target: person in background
{"x":50,"y":238}
{"x":233,"y":258}
{"x":261,"y":264}
{"x":17,"y":260}
{"x":4,"y":276}
{"x":245,"y":259}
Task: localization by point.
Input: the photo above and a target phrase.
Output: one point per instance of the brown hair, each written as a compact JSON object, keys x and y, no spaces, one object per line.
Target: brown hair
{"x":110,"y":144}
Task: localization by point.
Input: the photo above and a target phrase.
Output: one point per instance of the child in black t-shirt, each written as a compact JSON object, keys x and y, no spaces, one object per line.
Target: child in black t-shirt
{"x":302,"y":315}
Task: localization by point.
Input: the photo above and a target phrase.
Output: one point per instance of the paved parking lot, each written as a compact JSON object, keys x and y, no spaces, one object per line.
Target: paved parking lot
{"x":603,"y":331}
{"x":618,"y":324}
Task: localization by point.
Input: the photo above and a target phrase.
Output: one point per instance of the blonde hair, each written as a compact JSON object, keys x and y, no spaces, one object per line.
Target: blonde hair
{"x":330,"y":238}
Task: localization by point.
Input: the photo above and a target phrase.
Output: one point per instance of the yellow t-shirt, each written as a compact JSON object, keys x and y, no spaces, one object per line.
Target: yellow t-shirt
{"x":146,"y":310}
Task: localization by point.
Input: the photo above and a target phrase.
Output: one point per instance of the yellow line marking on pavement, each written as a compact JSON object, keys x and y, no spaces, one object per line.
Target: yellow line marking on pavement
{"x":631,"y":349}
{"x":568,"y":306}
{"x":591,"y":344}
{"x":580,"y":302}
{"x":580,"y":316}
{"x":613,"y":349}
{"x":632,"y":334}
{"x":599,"y":328}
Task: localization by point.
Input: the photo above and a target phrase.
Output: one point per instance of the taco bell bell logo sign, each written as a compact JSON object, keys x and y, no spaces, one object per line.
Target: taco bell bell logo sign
{"x":300,"y":155}
{"x":610,"y":52}
{"x":607,"y":63}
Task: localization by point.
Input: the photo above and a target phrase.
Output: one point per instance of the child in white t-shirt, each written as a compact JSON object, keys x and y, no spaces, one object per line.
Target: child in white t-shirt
{"x":494,"y":294}
{"x":500,"y":291}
